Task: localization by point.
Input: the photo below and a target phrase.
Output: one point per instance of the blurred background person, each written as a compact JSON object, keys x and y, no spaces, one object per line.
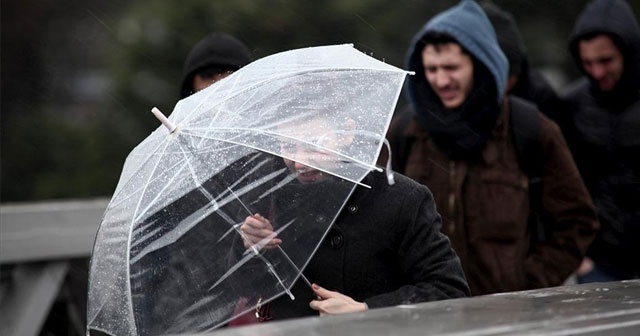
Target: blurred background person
{"x":213,"y":58}
{"x":524,"y":81}
{"x":604,"y":134}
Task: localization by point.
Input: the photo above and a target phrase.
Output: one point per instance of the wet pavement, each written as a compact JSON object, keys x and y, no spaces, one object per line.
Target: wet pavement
{"x":611,"y":308}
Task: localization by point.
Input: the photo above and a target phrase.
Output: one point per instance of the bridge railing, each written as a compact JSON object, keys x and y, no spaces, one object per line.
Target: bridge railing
{"x":41,"y":243}
{"x":38,"y":245}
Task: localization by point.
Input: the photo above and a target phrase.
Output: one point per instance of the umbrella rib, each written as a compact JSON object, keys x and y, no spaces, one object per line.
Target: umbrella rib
{"x":213,"y":89}
{"x":255,"y":85}
{"x":278,"y":154}
{"x":298,"y":270}
{"x":144,"y":188}
{"x":150,"y":154}
{"x":213,"y":206}
{"x":260,"y":181}
{"x":276,"y":135}
{"x":308,"y":71}
{"x":254,"y":251}
{"x":187,"y":163}
{"x":158,"y":194}
{"x":202,"y":213}
{"x":194,"y":219}
{"x":272,"y":269}
{"x":128,"y":277}
{"x":241,"y":202}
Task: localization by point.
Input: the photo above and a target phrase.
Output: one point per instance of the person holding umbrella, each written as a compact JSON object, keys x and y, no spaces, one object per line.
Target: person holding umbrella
{"x":169,"y":256}
{"x":384,"y":249}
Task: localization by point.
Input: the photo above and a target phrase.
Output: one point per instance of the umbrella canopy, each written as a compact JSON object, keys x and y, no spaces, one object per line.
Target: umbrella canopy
{"x":169,"y":257}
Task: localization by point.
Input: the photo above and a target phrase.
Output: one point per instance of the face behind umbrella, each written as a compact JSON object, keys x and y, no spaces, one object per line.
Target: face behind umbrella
{"x":313,"y":161}
{"x":195,"y":282}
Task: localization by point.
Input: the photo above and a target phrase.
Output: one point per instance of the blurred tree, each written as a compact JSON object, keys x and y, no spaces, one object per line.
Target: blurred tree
{"x":158,"y":37}
{"x":53,"y":92}
{"x":79,"y":80}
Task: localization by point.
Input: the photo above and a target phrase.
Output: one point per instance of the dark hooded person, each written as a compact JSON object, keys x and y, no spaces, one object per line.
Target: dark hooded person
{"x":524,"y":81}
{"x":604,"y":133}
{"x":459,"y":142}
{"x":214,"y":57}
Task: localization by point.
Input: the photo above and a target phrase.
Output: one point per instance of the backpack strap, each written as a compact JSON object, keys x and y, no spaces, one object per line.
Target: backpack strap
{"x":525,"y":125}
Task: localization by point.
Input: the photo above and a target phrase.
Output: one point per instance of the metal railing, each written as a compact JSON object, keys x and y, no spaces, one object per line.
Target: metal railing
{"x":39,"y":243}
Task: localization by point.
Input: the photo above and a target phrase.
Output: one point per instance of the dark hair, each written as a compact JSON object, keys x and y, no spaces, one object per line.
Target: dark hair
{"x":437,"y":39}
{"x":210,"y":71}
{"x":617,"y":41}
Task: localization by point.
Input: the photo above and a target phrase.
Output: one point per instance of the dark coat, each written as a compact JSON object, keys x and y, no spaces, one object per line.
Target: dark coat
{"x":606,"y":147}
{"x":385,"y":249}
{"x":604,"y":137}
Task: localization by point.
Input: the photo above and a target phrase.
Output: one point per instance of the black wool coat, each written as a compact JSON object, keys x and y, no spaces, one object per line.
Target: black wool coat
{"x":385,"y":249}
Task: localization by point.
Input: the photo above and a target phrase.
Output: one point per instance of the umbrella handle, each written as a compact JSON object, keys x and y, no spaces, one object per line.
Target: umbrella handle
{"x":390,"y":179}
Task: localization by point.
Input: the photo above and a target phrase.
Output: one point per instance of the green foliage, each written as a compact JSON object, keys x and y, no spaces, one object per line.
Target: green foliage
{"x":58,"y":145}
{"x":156,"y":37}
{"x":54,"y":159}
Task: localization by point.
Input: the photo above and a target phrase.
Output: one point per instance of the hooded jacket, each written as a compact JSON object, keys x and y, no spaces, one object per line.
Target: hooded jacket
{"x":461,"y":133}
{"x":531,"y":84}
{"x":615,"y":18}
{"x":604,"y":135}
{"x":216,"y":50}
{"x":484,"y":199}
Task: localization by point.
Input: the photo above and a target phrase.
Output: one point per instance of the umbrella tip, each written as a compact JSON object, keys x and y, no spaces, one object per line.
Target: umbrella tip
{"x":163,"y":119}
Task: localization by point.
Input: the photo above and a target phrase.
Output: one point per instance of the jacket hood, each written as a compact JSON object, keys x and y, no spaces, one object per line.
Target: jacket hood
{"x":461,"y":133}
{"x":531,"y":84}
{"x":509,"y":37}
{"x":469,"y":25}
{"x":214,"y":50}
{"x":616,"y":18}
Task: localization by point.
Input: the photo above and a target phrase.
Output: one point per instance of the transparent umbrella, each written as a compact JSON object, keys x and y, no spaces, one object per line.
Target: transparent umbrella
{"x":169,"y":255}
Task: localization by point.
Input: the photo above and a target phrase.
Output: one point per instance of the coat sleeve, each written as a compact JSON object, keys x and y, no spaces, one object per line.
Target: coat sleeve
{"x":566,"y":201}
{"x":432,"y":269}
